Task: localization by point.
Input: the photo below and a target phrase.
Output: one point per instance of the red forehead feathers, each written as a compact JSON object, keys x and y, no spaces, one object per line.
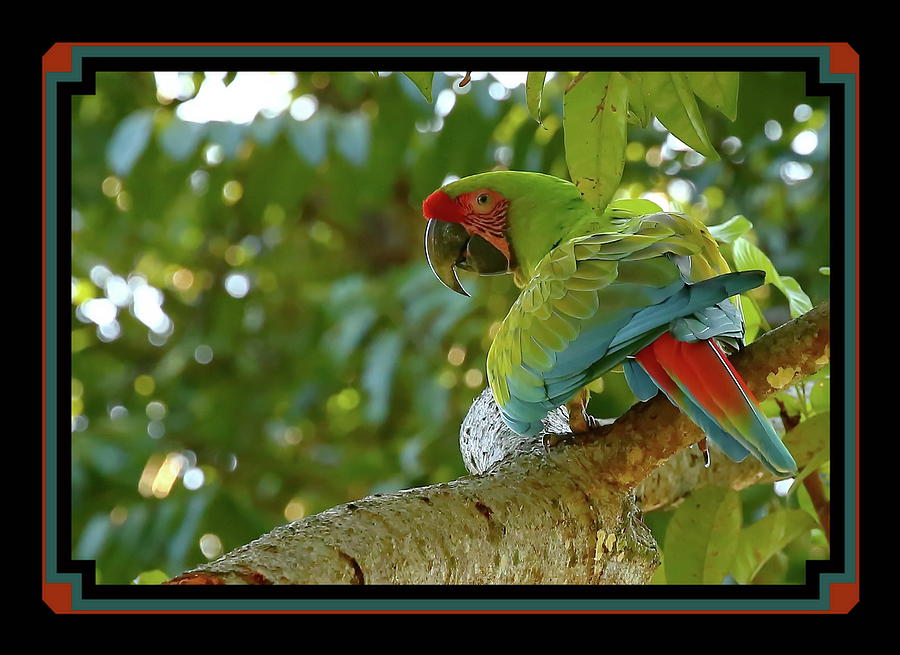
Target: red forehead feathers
{"x":442,"y":207}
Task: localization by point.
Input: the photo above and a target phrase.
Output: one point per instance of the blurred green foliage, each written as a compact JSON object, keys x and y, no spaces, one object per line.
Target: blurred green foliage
{"x":256,"y":335}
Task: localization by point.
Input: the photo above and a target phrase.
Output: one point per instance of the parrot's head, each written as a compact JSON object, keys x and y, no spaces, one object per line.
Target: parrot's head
{"x":497,"y":222}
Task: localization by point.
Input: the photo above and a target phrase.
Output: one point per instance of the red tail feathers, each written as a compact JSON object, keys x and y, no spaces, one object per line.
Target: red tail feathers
{"x":698,"y":376}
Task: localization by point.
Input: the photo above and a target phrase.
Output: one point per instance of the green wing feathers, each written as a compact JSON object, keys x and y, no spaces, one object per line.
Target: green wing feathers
{"x":561,"y":332}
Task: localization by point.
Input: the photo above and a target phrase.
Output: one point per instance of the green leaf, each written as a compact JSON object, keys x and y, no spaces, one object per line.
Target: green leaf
{"x":629,"y":207}
{"x":752,"y":318}
{"x":820,"y":393}
{"x":346,"y":334}
{"x":179,"y":139}
{"x":595,"y":126}
{"x":809,"y":437}
{"x":638,"y":110}
{"x":310,"y":137}
{"x":352,"y":137}
{"x":811,"y":441}
{"x":819,"y":460}
{"x":731,"y":229}
{"x":761,"y":540}
{"x":748,"y":257}
{"x":719,"y":90}
{"x":151,"y":577}
{"x":423,"y":82}
{"x":702,"y":536}
{"x":129,"y":140}
{"x":378,"y":375}
{"x":670,"y":98}
{"x":825,"y":270}
{"x":228,"y":135}
{"x":534,"y":89}
{"x":798,"y":301}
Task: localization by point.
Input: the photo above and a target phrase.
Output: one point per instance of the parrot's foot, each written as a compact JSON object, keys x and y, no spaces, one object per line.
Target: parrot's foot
{"x":579,"y":420}
{"x":584,"y":425}
{"x":582,"y":422}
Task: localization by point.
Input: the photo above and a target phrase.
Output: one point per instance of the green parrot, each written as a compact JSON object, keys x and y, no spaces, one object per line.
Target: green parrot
{"x":635,"y":287}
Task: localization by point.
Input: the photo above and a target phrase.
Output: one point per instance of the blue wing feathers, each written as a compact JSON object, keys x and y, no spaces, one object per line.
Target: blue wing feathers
{"x":605,"y":340}
{"x":639,"y":381}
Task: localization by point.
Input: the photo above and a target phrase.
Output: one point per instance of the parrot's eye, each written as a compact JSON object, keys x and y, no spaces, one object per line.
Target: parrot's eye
{"x":483,"y":199}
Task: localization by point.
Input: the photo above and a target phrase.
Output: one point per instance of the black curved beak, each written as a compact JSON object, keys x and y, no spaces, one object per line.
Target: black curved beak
{"x":449,"y":245}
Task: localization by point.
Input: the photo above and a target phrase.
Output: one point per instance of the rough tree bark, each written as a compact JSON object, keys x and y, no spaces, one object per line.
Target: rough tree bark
{"x":567,"y":514}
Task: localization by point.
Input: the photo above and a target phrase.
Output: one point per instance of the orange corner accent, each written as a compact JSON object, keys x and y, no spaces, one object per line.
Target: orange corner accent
{"x":58,"y":596}
{"x":58,"y":59}
{"x":844,"y":596}
{"x":844,"y":59}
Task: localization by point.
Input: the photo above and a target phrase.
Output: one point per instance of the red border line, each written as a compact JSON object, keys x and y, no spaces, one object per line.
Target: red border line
{"x":844,"y":59}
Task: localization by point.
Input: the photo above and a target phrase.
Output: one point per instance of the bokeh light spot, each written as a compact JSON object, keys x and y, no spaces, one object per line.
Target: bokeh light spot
{"x":444,"y":103}
{"x":347,"y":399}
{"x":653,"y":157}
{"x":634,"y":151}
{"x":117,"y":412}
{"x":199,"y":182}
{"x":773,"y":130}
{"x":731,"y":145}
{"x":156,"y":429}
{"x":793,"y":172}
{"x":144,"y":385}
{"x":156,"y":410}
{"x":447,"y":379}
{"x":214,"y":154}
{"x":123,"y":201}
{"x":802,"y":113}
{"x":211,"y":546}
{"x":111,"y":186}
{"x":232,"y":192}
{"x":99,"y":310}
{"x":498,"y":91}
{"x":118,"y":515}
{"x":235,"y":255}
{"x":805,"y":142}
{"x":167,"y":474}
{"x":203,"y":354}
{"x":681,"y":191}
{"x":473,"y":378}
{"x":295,"y":509}
{"x":715,"y":197}
{"x":456,"y":355}
{"x":182,"y":279}
{"x":193,"y":478}
{"x":237,"y":285}
{"x":292,"y":435}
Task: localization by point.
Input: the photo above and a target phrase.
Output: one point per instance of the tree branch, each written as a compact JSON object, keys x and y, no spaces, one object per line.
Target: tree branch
{"x":563,"y":516}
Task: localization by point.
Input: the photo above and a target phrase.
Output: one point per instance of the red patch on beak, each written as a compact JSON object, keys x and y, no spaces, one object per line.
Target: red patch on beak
{"x":442,"y":207}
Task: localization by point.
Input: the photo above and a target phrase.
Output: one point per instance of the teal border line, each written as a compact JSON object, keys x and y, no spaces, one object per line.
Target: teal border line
{"x":822,"y":53}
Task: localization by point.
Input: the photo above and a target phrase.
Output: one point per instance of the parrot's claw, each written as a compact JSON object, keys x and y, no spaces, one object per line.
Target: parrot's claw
{"x":550,"y":439}
{"x":703,"y":445}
